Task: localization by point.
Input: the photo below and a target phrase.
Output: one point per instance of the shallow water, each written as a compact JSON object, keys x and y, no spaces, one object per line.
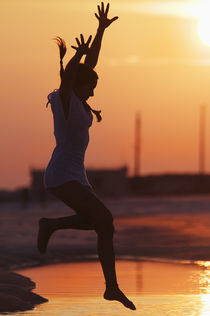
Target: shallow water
{"x":165,"y":289}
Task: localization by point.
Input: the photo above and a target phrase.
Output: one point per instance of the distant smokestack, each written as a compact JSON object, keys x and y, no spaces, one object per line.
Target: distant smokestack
{"x":202,"y":139}
{"x":137,"y":145}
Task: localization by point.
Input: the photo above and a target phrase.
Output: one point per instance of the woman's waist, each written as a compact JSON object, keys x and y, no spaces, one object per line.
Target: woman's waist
{"x":70,"y":148}
{"x":70,"y":152}
{"x":69,"y":160}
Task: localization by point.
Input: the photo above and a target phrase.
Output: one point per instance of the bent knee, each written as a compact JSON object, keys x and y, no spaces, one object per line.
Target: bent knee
{"x":105,"y":227}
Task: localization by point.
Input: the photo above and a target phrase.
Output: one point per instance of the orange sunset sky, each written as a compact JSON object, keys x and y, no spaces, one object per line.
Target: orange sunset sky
{"x":152,"y":61}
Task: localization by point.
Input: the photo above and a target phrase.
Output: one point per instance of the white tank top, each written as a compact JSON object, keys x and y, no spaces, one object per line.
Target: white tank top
{"x":72,"y":138}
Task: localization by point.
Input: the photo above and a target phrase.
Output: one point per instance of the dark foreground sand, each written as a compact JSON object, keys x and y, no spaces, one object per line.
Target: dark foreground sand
{"x":172,"y":228}
{"x":16,"y":293}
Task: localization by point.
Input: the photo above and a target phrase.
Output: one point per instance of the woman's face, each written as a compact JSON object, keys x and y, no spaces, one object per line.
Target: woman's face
{"x":87,"y":90}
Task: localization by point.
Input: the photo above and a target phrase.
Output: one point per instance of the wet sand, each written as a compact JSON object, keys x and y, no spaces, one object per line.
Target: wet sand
{"x":156,"y":288}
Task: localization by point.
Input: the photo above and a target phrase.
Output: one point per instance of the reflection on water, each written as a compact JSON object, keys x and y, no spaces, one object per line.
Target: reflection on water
{"x":204,"y":282}
{"x":205,"y":305}
{"x":163,"y":289}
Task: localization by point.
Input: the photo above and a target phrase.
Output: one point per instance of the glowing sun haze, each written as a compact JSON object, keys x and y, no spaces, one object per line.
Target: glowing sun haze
{"x":153,"y":60}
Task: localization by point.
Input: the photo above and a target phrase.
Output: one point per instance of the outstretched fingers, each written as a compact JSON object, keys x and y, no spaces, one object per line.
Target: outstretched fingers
{"x":114,"y":19}
{"x":82,"y":39}
{"x":102,"y":16}
{"x":101,"y":10}
{"x":102,"y":7}
{"x":78,"y":42}
{"x":82,"y":46}
{"x":97,"y":16}
{"x":89,"y":40}
{"x":107,"y":9}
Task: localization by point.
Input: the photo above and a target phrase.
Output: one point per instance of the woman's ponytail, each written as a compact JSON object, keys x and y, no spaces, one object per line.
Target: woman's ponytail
{"x":95,"y":112}
{"x":62,"y":49}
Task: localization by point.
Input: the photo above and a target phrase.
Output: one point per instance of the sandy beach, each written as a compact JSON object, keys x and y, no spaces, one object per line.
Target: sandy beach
{"x":161,"y":228}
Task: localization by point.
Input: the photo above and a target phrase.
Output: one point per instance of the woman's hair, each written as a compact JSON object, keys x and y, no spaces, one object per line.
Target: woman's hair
{"x":85,"y":74}
{"x":62,"y":50}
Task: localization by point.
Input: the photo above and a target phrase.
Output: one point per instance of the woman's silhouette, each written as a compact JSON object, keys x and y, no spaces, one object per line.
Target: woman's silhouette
{"x":65,"y":175}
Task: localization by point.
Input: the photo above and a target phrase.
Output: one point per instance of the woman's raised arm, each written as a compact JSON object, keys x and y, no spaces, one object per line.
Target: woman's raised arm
{"x":71,"y":68}
{"x":93,"y":53}
{"x":70,"y":71}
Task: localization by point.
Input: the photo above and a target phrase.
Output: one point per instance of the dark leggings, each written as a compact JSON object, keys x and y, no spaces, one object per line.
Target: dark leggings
{"x":92,"y":214}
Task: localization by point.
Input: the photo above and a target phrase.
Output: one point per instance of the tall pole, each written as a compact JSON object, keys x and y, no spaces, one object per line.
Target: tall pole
{"x":137,"y":145}
{"x":202,"y":139}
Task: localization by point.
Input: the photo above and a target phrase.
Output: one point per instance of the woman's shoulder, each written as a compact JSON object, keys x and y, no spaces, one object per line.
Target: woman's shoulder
{"x":53,"y":95}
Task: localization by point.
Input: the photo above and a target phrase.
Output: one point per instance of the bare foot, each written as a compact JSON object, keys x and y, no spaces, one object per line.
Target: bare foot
{"x":115,"y":294}
{"x":44,"y":234}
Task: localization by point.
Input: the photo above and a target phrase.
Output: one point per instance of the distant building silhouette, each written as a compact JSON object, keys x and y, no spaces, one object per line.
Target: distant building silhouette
{"x":25,"y":197}
{"x":115,"y":183}
{"x":38,"y":191}
{"x":109,"y":182}
{"x":170,"y":184}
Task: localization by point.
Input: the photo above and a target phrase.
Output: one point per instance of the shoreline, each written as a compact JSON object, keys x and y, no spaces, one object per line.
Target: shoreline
{"x":119,"y":258}
{"x":18,"y":295}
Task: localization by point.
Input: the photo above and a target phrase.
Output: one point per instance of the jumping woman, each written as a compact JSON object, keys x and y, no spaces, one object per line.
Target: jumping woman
{"x":65,"y":175}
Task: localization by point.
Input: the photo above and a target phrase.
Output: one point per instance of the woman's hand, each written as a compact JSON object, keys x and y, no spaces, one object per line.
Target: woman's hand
{"x":104,"y":22}
{"x":83,"y":48}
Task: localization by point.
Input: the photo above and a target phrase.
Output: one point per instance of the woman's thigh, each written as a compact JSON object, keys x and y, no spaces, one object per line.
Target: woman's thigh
{"x":82,"y":200}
